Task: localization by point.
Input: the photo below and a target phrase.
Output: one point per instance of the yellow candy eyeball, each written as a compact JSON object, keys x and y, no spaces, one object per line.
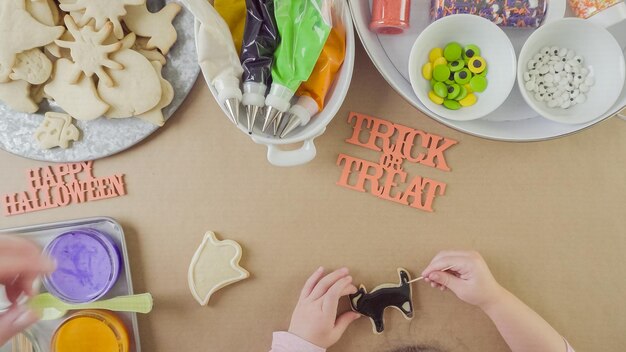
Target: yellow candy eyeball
{"x":435,"y":54}
{"x":440,"y":61}
{"x":469,"y":100}
{"x":477,"y":64}
{"x":427,"y":71}
{"x":469,"y":88}
{"x":435,"y":98}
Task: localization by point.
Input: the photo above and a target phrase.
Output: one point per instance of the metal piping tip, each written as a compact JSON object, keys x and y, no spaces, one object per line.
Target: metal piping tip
{"x":251,"y":112}
{"x":270,"y":115}
{"x":232,"y":106}
{"x":277,"y":122}
{"x":292,"y":124}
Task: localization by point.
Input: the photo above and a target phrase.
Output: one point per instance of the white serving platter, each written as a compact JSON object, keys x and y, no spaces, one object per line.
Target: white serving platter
{"x":514,"y":121}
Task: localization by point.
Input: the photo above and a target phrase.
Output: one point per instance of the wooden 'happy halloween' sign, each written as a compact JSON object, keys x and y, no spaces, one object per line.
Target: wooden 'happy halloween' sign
{"x":387,"y":179}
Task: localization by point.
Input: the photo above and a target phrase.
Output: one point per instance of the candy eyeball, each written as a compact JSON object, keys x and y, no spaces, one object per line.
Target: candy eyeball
{"x":578,"y":59}
{"x":545,"y":50}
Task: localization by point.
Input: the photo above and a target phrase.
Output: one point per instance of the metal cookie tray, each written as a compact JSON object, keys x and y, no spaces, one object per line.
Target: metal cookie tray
{"x":45,"y":233}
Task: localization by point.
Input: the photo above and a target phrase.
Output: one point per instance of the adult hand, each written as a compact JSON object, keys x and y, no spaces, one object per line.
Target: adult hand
{"x":21,"y":262}
{"x":315,"y":316}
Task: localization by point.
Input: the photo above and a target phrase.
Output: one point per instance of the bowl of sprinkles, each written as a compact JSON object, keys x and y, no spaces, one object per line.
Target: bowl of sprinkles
{"x":462,"y":67}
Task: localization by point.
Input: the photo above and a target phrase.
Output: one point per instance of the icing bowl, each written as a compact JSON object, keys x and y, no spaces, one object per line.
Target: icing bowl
{"x":602,"y":55}
{"x":495,"y":47}
{"x":91,"y":330}
{"x":88,"y":265}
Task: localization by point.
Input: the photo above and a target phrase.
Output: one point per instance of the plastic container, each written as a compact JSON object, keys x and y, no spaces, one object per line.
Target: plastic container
{"x":93,"y":331}
{"x":307,"y":134}
{"x":88,"y":265}
{"x":390,"y":16}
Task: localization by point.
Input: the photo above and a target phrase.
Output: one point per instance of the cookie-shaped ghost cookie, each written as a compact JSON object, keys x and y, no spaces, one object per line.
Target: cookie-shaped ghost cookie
{"x":79,"y":99}
{"x":214,"y":265}
{"x":102,"y":12}
{"x":155,"y":115}
{"x":137,"y":87}
{"x":56,"y":130}
{"x":156,"y":26}
{"x":373,"y":304}
{"x":20,"y":31}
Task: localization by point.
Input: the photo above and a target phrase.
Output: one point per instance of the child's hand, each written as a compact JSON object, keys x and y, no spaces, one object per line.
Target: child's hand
{"x":315,"y":317}
{"x":469,"y":277}
{"x":21,"y":263}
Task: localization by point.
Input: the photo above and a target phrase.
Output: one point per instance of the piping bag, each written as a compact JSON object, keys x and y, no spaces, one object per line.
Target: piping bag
{"x":312,"y":93}
{"x":217,"y":55}
{"x":234,"y":13}
{"x":304,"y":26}
{"x":257,"y":55}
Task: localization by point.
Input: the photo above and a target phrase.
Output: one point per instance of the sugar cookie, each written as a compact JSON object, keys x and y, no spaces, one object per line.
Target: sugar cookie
{"x":33,"y":66}
{"x":151,"y":55}
{"x":44,"y":11}
{"x":88,"y":53}
{"x":16,"y":94}
{"x":137,"y":87}
{"x":214,"y":265}
{"x":56,"y":130}
{"x":37,"y":94}
{"x":102,"y":12}
{"x":157,"y":26}
{"x":30,"y":34}
{"x":373,"y":304}
{"x":79,"y":99}
{"x":155,"y":116}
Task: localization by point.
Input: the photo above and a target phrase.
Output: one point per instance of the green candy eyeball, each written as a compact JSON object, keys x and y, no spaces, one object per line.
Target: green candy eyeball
{"x":470,"y":51}
{"x":453,"y":91}
{"x":452,"y":104}
{"x":453,"y":51}
{"x":463,"y":77}
{"x":441,"y":89}
{"x":462,"y":94}
{"x":456,"y":65}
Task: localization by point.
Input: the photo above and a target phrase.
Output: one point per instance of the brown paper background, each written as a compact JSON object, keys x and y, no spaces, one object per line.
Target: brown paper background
{"x":549,"y":218}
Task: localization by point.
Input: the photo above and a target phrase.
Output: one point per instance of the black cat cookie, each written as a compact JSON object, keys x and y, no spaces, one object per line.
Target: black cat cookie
{"x":373,"y":304}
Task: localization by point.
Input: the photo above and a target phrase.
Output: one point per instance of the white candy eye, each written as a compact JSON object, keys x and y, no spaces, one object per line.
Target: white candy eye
{"x":555,"y":50}
{"x":530,"y":86}
{"x":566,"y":104}
{"x":570,"y":54}
{"x":563,"y":52}
{"x":578,"y":59}
{"x":539,"y":97}
{"x":526,"y":76}
{"x":545,"y":50}
{"x":581,"y":98}
{"x":575,"y":93}
{"x":532,"y":64}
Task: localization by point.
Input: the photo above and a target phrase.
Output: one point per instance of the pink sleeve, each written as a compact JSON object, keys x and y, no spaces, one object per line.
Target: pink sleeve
{"x":286,"y":342}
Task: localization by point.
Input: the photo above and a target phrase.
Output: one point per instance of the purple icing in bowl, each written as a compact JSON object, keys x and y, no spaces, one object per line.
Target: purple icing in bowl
{"x":88,"y":265}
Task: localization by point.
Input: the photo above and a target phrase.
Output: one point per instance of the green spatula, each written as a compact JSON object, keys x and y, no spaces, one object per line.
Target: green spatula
{"x":52,"y":308}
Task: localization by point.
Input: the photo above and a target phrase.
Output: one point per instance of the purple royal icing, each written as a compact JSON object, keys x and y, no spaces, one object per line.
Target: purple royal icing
{"x":88,"y":265}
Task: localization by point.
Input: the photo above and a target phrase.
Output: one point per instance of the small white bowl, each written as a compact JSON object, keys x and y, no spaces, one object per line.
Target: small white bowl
{"x":602,"y":55}
{"x":495,"y":47}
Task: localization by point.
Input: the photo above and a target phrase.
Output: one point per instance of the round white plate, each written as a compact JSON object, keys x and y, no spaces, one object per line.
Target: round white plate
{"x":104,"y":137}
{"x":513,"y":121}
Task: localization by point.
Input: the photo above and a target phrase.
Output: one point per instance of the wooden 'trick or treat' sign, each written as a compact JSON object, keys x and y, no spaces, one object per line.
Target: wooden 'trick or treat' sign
{"x":386,"y":177}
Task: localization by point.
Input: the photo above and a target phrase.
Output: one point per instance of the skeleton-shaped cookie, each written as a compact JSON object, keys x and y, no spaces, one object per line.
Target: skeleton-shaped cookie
{"x":373,"y":304}
{"x":88,"y":52}
{"x":102,"y":11}
{"x":56,"y":130}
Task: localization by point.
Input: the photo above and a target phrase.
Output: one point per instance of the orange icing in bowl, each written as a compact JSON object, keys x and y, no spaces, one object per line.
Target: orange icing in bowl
{"x":93,"y":331}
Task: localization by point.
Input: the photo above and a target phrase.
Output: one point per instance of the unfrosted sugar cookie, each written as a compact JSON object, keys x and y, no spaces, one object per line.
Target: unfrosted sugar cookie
{"x":373,"y":304}
{"x":30,"y":34}
{"x":215,"y":265}
{"x":89,"y":53}
{"x":16,"y":94}
{"x":156,"y":26}
{"x":137,"y":87}
{"x":79,"y":99}
{"x":102,"y":12}
{"x":56,"y":130}
{"x":155,"y":116}
{"x":32,"y":66}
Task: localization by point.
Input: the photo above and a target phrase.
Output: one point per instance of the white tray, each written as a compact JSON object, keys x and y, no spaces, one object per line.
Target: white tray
{"x":513,"y":121}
